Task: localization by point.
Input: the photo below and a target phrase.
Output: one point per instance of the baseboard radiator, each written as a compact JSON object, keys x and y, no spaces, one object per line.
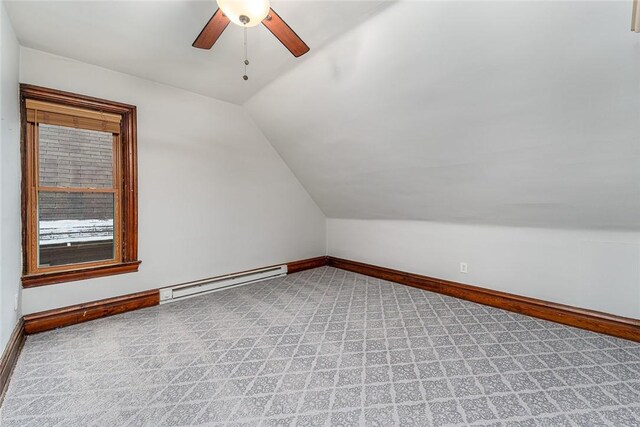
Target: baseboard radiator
{"x":213,"y":284}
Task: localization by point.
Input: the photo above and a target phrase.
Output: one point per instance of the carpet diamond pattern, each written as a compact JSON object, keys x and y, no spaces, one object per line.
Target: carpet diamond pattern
{"x":324,"y":347}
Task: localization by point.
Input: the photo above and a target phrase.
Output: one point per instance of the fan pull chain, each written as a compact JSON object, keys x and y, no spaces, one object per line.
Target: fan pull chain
{"x":246,"y":61}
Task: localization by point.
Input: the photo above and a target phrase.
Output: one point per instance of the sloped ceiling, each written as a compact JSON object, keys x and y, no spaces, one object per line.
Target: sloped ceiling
{"x":511,"y":113}
{"x":152,"y":39}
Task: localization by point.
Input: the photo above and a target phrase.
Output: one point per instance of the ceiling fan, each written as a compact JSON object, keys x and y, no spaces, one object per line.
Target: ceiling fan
{"x":249,"y":13}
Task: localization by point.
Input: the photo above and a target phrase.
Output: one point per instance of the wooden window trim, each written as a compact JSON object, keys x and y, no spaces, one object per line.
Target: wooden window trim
{"x":35,"y":189}
{"x":102,"y":115}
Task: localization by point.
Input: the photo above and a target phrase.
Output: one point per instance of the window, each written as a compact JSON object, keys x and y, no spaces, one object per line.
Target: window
{"x":79,"y":194}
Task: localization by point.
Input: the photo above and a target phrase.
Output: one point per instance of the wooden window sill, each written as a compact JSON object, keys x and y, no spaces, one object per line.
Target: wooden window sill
{"x":43,"y":279}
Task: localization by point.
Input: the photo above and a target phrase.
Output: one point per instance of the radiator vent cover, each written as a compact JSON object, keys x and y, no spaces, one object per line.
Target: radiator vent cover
{"x":212,"y":284}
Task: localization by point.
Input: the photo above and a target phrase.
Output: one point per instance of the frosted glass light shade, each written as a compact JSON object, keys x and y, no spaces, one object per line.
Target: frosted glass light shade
{"x":255,"y":10}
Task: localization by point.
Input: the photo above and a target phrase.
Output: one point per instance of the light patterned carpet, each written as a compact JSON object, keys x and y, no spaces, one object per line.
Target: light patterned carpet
{"x":324,"y":347}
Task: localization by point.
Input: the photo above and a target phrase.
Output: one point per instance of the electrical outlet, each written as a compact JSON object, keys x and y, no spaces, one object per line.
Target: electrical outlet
{"x":15,"y":302}
{"x":464,"y":268}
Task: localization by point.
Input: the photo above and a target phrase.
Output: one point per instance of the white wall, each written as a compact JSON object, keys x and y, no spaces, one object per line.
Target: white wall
{"x":214,"y":196}
{"x":510,"y":113}
{"x":10,"y":240}
{"x":591,"y":269}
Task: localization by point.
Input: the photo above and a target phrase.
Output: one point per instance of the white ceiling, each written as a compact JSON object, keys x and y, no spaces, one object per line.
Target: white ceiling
{"x":510,"y":113}
{"x":152,"y":39}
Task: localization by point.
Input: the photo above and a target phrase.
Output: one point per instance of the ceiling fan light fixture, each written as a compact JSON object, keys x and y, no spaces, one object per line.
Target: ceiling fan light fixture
{"x":249,"y":13}
{"x":245,"y":13}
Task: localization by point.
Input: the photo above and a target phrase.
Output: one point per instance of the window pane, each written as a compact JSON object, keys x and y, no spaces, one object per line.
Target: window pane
{"x":75,"y":227}
{"x":75,"y":157}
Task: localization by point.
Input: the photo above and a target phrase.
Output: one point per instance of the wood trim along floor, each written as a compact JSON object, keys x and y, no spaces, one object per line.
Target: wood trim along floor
{"x":618,"y":326}
{"x":66,"y":316}
{"x":306,"y":264}
{"x":10,"y":356}
{"x":591,"y":320}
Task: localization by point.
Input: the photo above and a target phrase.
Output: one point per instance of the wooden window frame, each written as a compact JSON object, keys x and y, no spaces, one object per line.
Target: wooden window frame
{"x":97,"y":114}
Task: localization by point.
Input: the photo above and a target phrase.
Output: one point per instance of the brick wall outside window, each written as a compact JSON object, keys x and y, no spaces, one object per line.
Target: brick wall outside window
{"x":75,"y":158}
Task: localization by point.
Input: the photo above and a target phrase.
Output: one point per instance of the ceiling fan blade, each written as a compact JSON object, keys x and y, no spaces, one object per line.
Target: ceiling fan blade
{"x":211,"y":31}
{"x":285,"y":34}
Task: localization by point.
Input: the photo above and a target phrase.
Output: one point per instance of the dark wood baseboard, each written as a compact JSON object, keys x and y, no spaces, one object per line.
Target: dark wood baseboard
{"x":306,"y":264}
{"x":66,"y":316}
{"x":10,"y":357}
{"x":591,"y":320}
